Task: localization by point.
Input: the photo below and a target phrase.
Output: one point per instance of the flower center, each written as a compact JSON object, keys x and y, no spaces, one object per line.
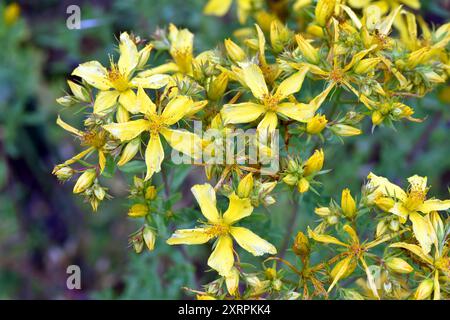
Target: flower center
{"x":270,"y":102}
{"x":156,"y":123}
{"x":95,"y":139}
{"x":415,"y":199}
{"x":219,"y":229}
{"x":118,"y":80}
{"x":336,"y":75}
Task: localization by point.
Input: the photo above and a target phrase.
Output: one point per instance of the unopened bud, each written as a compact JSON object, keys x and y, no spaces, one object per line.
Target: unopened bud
{"x":85,"y":181}
{"x":234,"y":51}
{"x":303,"y":185}
{"x":348,"y":204}
{"x":138,"y":210}
{"x":424,"y":290}
{"x":301,"y":245}
{"x":149,"y":237}
{"x":130,"y":150}
{"x":151,"y":193}
{"x":245,"y":186}
{"x":398,"y":265}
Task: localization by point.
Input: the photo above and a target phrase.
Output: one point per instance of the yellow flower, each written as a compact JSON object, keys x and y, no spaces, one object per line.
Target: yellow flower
{"x":221,"y":227}
{"x":158,"y":124}
{"x":314,"y":164}
{"x":182,"y":52}
{"x":410,"y":203}
{"x":116,"y":84}
{"x":355,"y":251}
{"x":271,"y":105}
{"x":95,"y":140}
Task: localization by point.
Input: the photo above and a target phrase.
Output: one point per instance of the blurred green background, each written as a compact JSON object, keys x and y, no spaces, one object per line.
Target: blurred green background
{"x":44,"y":228}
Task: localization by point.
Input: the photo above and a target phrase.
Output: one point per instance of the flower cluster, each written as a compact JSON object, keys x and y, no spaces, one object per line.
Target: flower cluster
{"x":295,"y":91}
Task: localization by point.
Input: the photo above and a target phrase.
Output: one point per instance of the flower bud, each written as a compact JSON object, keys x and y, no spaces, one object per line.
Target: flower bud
{"x":301,"y":245}
{"x":138,"y":210}
{"x":130,"y":150}
{"x":381,"y":228}
{"x":303,"y":185}
{"x":245,"y":186}
{"x":232,"y":281}
{"x":234,"y":51}
{"x":348,"y":271}
{"x":292,"y":166}
{"x":99,"y":192}
{"x":315,"y":30}
{"x":64,"y":173}
{"x":314,"y":164}
{"x":310,"y":53}
{"x":366,"y":65}
{"x":398,"y":265}
{"x":66,"y":101}
{"x":138,"y":245}
{"x":290,"y":179}
{"x":384,"y":203}
{"x":85,"y":181}
{"x":324,"y":11}
{"x":344,"y":130}
{"x":11,"y":13}
{"x":122,"y":114}
{"x":348,"y":204}
{"x":144,"y":54}
{"x":377,"y":117}
{"x":322,"y":211}
{"x":279,"y":35}
{"x":151,"y":193}
{"x":79,"y":91}
{"x":394,"y":225}
{"x":217,"y":87}
{"x":332,"y":220}
{"x":149,"y":237}
{"x":316,"y":124}
{"x":424,"y":290}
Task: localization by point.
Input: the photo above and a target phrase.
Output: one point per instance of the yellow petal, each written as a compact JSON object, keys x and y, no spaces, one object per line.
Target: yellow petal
{"x":127,"y":130}
{"x":68,"y":127}
{"x":217,"y":7}
{"x":254,"y":79}
{"x":184,"y":141}
{"x":414,"y":249}
{"x":386,"y":187}
{"x":292,"y":84}
{"x":232,"y":281}
{"x":128,"y":100}
{"x":176,"y":109}
{"x":352,"y":233}
{"x":190,"y":236}
{"x":422,"y":229}
{"x":101,"y":161}
{"x":164,"y":68}
{"x":399,"y":210}
{"x":370,"y":278}
{"x":339,"y":270}
{"x":268,"y":123}
{"x":325,"y":238}
{"x":155,"y":81}
{"x":237,"y":209}
{"x":94,"y":74}
{"x":144,"y":104}
{"x":206,"y":198}
{"x":434,"y":205}
{"x":261,"y":46}
{"x":252,"y":242}
{"x":154,"y":155}
{"x":300,"y":112}
{"x":418,"y":183}
{"x":129,"y":56}
{"x":436,"y":287}
{"x":241,"y":112}
{"x":105,"y":100}
{"x":222,"y":259}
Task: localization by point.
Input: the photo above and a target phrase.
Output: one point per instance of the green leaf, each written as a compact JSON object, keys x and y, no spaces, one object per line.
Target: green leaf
{"x":135,"y":166}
